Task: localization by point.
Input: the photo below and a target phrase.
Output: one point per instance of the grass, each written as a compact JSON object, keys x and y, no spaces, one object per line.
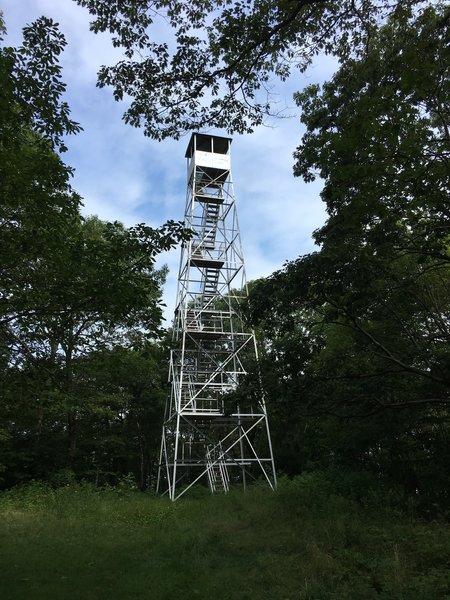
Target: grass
{"x":303,"y":542}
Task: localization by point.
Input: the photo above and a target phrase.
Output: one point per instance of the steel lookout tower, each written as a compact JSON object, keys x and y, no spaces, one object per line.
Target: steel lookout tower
{"x":208,"y":434}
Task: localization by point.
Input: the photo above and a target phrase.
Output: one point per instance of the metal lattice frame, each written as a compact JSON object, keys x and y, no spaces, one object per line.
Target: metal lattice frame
{"x":205,"y":435}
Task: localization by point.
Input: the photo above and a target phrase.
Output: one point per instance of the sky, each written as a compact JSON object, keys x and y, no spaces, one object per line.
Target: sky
{"x":122,"y":175}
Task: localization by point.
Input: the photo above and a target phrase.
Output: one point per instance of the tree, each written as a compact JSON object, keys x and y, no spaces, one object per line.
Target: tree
{"x":215,"y":65}
{"x":123,"y":391}
{"x":32,"y":89}
{"x":36,"y":198}
{"x":68,"y":285}
{"x":357,"y":333}
{"x":98,"y":291}
{"x":378,"y":135}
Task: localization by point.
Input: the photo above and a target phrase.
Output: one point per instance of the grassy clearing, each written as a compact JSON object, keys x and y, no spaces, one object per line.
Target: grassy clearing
{"x":303,"y":542}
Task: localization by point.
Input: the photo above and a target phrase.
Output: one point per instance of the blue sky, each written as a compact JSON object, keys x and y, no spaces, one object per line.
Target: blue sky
{"x":124,"y":176}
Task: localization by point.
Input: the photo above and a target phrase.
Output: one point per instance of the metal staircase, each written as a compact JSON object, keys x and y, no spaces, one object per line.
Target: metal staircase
{"x":218,"y":479}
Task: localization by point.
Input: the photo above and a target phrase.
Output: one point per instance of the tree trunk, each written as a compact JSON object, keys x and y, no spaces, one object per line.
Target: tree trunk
{"x":72,"y":431}
{"x":72,"y":424}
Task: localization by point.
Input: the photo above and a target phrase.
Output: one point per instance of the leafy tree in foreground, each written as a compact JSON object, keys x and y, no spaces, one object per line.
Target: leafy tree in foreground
{"x":37,"y":204}
{"x":68,"y":286}
{"x":358,"y":333}
{"x":209,"y":63}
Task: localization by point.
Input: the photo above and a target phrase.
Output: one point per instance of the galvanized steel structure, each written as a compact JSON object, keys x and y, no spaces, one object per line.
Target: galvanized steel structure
{"x":208,"y":435}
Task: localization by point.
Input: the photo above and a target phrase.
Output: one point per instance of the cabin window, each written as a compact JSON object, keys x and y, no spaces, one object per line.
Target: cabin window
{"x":203,"y":143}
{"x":220,"y":145}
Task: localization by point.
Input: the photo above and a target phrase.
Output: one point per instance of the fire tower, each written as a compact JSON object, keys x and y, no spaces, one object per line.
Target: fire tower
{"x":207,"y":433}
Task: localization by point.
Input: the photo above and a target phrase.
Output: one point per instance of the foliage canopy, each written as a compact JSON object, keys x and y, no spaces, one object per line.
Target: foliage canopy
{"x":358,"y":332}
{"x":70,"y":287}
{"x":210,"y":63}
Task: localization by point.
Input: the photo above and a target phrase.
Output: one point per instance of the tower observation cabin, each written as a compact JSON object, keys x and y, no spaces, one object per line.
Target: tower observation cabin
{"x":212,"y":433}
